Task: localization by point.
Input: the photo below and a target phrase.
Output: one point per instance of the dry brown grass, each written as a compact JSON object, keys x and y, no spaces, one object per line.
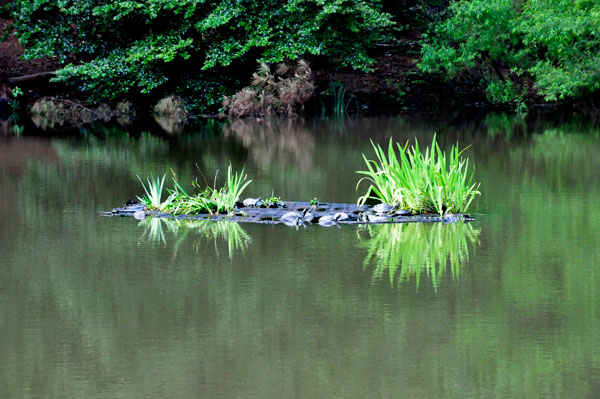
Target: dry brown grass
{"x":283,"y":92}
{"x":171,"y":106}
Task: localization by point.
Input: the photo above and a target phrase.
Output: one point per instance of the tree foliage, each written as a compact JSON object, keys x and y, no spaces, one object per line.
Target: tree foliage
{"x":114,"y":48}
{"x":555,"y":44}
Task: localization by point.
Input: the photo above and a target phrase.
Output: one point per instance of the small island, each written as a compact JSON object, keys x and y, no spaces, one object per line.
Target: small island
{"x":411,"y":185}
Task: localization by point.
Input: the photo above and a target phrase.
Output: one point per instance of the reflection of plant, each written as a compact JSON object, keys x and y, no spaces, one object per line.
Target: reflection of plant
{"x":427,"y":181}
{"x":153,"y":229}
{"x":409,"y":250}
{"x":237,"y":239}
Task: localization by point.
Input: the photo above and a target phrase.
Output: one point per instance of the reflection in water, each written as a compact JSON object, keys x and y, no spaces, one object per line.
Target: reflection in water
{"x":231,"y":232}
{"x":403,"y":251}
{"x":270,"y":141}
{"x":94,"y":307}
{"x":170,"y":124}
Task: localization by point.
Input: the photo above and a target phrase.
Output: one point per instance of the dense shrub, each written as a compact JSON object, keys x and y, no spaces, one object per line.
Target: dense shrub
{"x":115,"y":48}
{"x":520,"y":47}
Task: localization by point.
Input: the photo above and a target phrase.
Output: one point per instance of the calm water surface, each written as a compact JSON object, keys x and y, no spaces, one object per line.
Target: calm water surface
{"x":96,"y":307}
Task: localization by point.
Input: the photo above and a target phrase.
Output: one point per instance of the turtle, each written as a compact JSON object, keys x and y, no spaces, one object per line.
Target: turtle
{"x":295,"y":218}
{"x":330,"y":220}
{"x":383,"y":208}
{"x":403,"y":212}
{"x":252,"y":202}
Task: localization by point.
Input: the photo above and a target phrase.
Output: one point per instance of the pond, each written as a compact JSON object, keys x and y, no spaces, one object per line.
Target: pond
{"x":99,"y":307}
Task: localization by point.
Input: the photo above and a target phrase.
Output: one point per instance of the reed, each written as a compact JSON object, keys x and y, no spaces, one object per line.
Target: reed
{"x":153,"y":192}
{"x":340,"y":102}
{"x":422,"y":181}
{"x":207,"y":200}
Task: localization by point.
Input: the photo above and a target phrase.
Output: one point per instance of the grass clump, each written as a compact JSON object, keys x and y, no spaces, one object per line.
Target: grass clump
{"x":421,"y":181}
{"x":208,"y":200}
{"x":153,"y":192}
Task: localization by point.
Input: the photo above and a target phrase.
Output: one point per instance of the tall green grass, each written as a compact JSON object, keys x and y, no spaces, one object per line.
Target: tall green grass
{"x":153,"y":192}
{"x":340,"y":102}
{"x":210,"y":200}
{"x":421,"y":181}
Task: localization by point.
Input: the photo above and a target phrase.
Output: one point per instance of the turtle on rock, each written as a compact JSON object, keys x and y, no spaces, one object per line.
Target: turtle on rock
{"x":383,"y":208}
{"x":331,"y":220}
{"x":252,"y":202}
{"x":295,"y":218}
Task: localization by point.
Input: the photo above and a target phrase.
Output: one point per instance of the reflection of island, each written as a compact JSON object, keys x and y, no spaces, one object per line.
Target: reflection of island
{"x":403,"y":251}
{"x":237,"y":239}
{"x":274,"y":141}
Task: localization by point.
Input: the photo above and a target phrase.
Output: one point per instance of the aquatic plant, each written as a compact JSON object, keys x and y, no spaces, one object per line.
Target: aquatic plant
{"x":420,"y":181}
{"x":272,"y":200}
{"x":208,"y":200}
{"x":406,"y":251}
{"x":153,"y":191}
{"x":340,"y":102}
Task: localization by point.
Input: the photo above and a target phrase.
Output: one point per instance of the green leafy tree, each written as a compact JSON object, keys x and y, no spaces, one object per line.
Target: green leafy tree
{"x":197,"y":48}
{"x":520,"y":47}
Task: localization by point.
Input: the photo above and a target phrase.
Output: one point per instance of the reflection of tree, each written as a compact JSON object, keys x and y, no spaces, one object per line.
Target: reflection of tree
{"x":285,"y":142}
{"x":232,"y":233}
{"x":404,"y":251}
{"x":170,"y":124}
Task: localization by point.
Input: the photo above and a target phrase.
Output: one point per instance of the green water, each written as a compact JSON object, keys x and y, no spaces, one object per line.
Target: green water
{"x":97,"y":307}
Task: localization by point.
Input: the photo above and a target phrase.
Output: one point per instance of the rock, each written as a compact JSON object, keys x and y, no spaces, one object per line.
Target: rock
{"x":377,"y":218}
{"x":450,"y":218}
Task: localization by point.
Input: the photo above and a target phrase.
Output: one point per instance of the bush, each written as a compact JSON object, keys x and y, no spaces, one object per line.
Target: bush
{"x":553,"y":44}
{"x":282,"y":92}
{"x":132,"y":47}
